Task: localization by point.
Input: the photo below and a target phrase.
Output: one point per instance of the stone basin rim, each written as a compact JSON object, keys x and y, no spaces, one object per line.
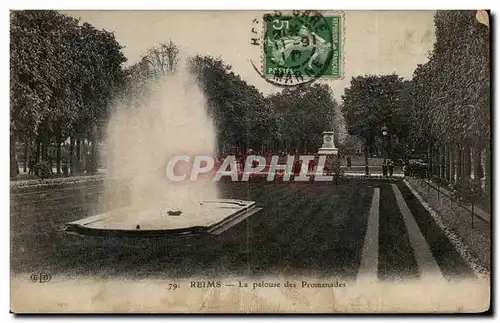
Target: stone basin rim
{"x":80,"y":227}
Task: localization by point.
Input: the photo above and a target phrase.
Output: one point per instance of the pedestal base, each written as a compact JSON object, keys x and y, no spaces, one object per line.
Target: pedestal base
{"x":328,"y":151}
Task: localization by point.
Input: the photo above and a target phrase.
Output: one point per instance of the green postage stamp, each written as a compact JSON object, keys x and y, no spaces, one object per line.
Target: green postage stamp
{"x":301,"y":46}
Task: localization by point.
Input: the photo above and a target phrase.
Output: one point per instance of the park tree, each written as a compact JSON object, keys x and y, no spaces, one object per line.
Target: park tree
{"x":305,"y":111}
{"x":154,"y":65}
{"x":41,"y":78}
{"x":137,"y":84}
{"x":29,"y":90}
{"x":63,"y":79}
{"x":450,"y":97}
{"x":101,"y":79}
{"x":420,"y":93}
{"x":292,"y":119}
{"x":372,"y":102}
{"x":239,"y":111}
{"x":351,"y":145}
{"x":162,"y":59}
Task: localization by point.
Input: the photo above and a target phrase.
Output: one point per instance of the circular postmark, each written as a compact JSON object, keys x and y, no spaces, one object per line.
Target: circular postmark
{"x":299,"y":47}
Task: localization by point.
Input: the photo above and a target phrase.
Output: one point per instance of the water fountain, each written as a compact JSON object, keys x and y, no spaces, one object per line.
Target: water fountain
{"x":173,"y":120}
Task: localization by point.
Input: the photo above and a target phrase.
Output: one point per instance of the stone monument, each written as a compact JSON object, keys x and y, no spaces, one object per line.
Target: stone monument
{"x":328,"y":147}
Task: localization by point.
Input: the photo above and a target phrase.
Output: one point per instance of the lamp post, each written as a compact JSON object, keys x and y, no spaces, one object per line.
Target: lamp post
{"x":385,"y":134}
{"x":365,"y":134}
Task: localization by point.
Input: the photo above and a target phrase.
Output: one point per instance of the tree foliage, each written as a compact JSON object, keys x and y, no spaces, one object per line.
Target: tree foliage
{"x":304,"y":113}
{"x":450,"y":93}
{"x":372,"y":102}
{"x":158,"y":62}
{"x":291,"y":120}
{"x":63,"y":77}
{"x":162,"y":59}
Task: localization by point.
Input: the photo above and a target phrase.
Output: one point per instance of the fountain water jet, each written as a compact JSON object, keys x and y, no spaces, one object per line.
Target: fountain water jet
{"x":173,"y":120}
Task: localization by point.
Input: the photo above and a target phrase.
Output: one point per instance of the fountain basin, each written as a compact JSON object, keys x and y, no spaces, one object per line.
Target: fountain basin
{"x":205,"y":217}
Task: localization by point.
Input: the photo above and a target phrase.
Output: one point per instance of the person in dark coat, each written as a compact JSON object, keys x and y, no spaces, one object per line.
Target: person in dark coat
{"x":312,"y":165}
{"x":31,"y":166}
{"x":297,"y":167}
{"x":65,"y":169}
{"x":390,"y":167}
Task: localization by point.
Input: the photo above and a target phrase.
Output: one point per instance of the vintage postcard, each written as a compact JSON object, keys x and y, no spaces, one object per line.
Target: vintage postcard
{"x":286,"y":161}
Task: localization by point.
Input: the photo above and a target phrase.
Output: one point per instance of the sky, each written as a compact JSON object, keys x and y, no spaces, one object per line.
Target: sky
{"x":375,"y":42}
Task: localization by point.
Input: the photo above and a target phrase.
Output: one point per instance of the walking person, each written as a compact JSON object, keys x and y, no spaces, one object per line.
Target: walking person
{"x":50,"y":164}
{"x":297,"y":167}
{"x":312,"y":165}
{"x":31,"y":166}
{"x":391,"y":167}
{"x":384,"y":168}
{"x":65,"y":169}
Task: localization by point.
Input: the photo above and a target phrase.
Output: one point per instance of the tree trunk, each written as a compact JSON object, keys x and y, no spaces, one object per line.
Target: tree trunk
{"x":442,"y":161}
{"x":452,"y":163}
{"x":459,"y":163}
{"x":488,"y":170}
{"x":37,"y":155}
{"x":78,"y":163}
{"x":26,"y":152}
{"x":45,"y":146}
{"x":467,"y":162}
{"x":477,"y":163}
{"x":58,"y":156}
{"x":13,"y":164}
{"x":438,"y":161}
{"x":78,"y":149}
{"x":430,"y":157}
{"x":367,"y":167}
{"x":93,"y":166}
{"x":433,"y":154}
{"x":244,"y":147}
{"x":447,"y":162}
{"x":83,"y":164}
{"x":71,"y":155}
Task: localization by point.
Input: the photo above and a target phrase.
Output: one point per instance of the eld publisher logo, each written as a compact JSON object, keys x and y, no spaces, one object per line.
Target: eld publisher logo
{"x":40,"y":277}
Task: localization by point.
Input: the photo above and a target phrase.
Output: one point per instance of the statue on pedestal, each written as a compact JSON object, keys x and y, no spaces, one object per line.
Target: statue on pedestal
{"x":328,"y":147}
